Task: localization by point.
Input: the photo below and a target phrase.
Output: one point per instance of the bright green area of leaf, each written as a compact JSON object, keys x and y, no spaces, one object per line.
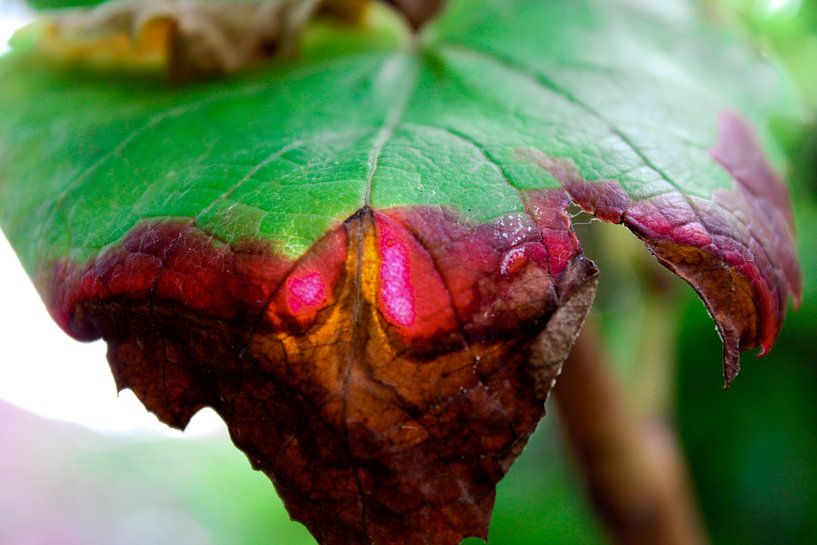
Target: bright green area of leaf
{"x":61,"y":4}
{"x":369,"y":118}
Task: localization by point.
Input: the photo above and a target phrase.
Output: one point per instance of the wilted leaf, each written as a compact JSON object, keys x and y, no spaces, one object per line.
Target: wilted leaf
{"x":363,"y":260}
{"x":186,"y":38}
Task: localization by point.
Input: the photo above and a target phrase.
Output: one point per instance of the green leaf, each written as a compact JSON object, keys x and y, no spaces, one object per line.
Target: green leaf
{"x":362,"y":258}
{"x":62,"y":4}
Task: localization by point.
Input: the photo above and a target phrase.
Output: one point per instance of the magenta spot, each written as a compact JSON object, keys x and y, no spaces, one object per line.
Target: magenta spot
{"x":306,"y":290}
{"x":513,"y":260}
{"x":396,"y":292}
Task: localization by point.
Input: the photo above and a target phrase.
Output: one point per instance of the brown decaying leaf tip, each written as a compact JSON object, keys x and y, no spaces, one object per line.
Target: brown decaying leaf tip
{"x":385,"y":381}
{"x":736,"y":250}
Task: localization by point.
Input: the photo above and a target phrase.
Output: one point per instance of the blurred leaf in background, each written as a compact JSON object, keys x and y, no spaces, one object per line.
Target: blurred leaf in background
{"x":751,"y":449}
{"x":62,"y":484}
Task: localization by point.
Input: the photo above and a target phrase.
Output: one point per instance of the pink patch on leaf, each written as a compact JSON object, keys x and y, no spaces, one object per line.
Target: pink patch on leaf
{"x":558,"y":241}
{"x":411,"y":294}
{"x":305,"y":290}
{"x":513,"y":261}
{"x":396,"y":290}
{"x":309,"y":286}
{"x":491,"y":277}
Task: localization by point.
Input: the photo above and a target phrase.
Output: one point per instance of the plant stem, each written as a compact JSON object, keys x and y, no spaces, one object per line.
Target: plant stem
{"x":654,"y":369}
{"x":633,"y":467}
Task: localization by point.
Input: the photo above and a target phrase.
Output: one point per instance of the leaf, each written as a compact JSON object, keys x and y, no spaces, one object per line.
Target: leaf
{"x":188,"y":39}
{"x":62,"y":4}
{"x":362,"y":259}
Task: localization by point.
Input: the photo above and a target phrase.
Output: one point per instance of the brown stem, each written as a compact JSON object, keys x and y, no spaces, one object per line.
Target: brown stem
{"x":418,"y":12}
{"x":633,"y":467}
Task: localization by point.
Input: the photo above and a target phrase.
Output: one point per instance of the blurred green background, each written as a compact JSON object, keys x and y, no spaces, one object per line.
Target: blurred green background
{"x":752,"y":450}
